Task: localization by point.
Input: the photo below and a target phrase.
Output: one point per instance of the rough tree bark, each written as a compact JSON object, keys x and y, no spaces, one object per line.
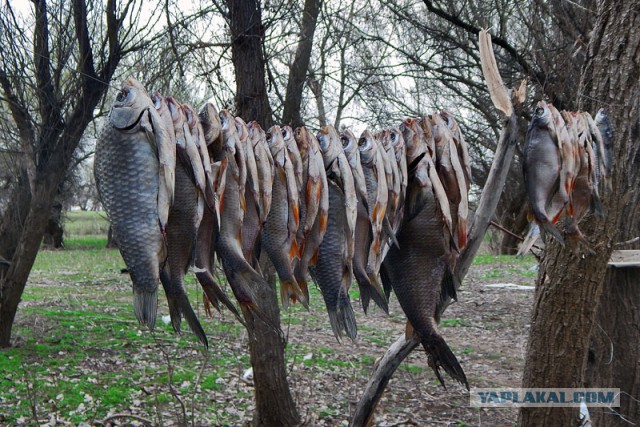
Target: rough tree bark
{"x":298,"y":71}
{"x":247,"y":54}
{"x":614,"y":351}
{"x":48,"y":142}
{"x":570,"y":286}
{"x":274,"y":402}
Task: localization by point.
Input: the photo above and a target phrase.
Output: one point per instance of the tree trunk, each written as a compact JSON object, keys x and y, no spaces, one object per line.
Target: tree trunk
{"x":54,"y":232}
{"x":569,"y":286}
{"x":47,"y":140}
{"x":274,"y":402}
{"x":298,"y":71}
{"x":614,"y":353}
{"x":247,"y":54}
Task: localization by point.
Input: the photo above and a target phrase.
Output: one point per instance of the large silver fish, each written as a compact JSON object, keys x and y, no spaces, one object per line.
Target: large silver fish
{"x":420,"y":274}
{"x":542,"y":164}
{"x":278,"y":236}
{"x":128,"y":178}
{"x":333,"y":271}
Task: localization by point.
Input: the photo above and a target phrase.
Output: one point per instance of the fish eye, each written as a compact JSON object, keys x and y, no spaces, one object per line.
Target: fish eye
{"x":539,"y":111}
{"x":122,"y":95}
{"x":345,"y":142}
{"x":362,"y":142}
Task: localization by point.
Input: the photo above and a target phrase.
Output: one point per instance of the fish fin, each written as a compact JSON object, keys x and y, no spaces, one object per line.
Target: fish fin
{"x":440,"y":356}
{"x":290,"y":290}
{"x":386,"y":281}
{"x":314,"y":258}
{"x":345,"y":316}
{"x":294,"y":252}
{"x":179,"y":306}
{"x":409,"y":331}
{"x":145,"y":307}
{"x":448,"y":290}
{"x":215,"y":295}
{"x":324,"y":221}
{"x":304,"y":287}
{"x":529,"y":240}
{"x":386,"y":226}
{"x":547,"y":227}
{"x":378,"y":294}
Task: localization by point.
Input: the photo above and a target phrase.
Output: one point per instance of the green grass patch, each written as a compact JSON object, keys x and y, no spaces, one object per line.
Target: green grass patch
{"x":82,"y":223}
{"x":453,"y":323}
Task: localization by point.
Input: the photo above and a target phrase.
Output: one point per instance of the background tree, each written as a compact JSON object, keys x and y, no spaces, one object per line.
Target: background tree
{"x":569,"y":286}
{"x":56,"y":63}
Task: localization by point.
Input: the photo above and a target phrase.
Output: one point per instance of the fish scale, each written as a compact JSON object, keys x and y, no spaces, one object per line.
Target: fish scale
{"x":331,"y":272}
{"x":420,"y":274}
{"x":126,"y":171}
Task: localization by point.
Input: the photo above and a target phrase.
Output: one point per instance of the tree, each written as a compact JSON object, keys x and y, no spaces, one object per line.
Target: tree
{"x":53,"y":76}
{"x":274,"y":402}
{"x":569,"y":286}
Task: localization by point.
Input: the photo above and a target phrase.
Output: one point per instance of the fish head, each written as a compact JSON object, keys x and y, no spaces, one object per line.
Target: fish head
{"x":301,"y":136}
{"x":275,"y":141}
{"x":159,"y":102}
{"x":191,"y":116}
{"x":368,"y":147}
{"x":413,"y":138}
{"x":242,"y":130}
{"x":210,"y":120}
{"x":229,"y":131}
{"x":256,"y":133}
{"x":397,"y":142}
{"x":329,"y":142}
{"x":131,"y":102}
{"x":542,"y":115}
{"x":287,"y":134}
{"x":349,"y":144}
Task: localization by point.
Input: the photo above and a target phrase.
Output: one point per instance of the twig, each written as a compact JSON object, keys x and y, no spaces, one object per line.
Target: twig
{"x":501,"y":228}
{"x":628,"y":242}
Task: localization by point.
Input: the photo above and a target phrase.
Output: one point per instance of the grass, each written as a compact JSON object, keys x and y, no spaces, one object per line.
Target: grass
{"x":80,"y":355}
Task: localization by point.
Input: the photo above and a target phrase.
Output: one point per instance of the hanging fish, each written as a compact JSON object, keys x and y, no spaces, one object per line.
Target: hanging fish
{"x":135,"y":190}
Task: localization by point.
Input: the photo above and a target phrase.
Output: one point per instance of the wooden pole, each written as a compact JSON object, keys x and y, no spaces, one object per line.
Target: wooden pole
{"x":400,"y":349}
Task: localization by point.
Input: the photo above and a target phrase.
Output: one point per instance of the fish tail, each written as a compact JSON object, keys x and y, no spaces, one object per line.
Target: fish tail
{"x":441,"y":356}
{"x":145,"y":306}
{"x":304,"y":287}
{"x":179,"y":306}
{"x":596,"y":206}
{"x":529,"y":240}
{"x":547,"y":227}
{"x":290,"y":290}
{"x":214,"y":294}
{"x":346,"y":316}
{"x":376,"y":292}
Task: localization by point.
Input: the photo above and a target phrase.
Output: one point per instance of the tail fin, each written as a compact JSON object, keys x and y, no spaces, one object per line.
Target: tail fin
{"x":145,"y":307}
{"x":529,"y":240}
{"x":215,"y":294}
{"x":343,"y":319}
{"x":547,"y":227}
{"x":290,"y":290}
{"x":377,"y":293}
{"x":441,"y":356}
{"x":179,"y":306}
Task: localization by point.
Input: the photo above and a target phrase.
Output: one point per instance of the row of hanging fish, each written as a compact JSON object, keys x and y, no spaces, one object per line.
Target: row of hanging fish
{"x":389,"y":209}
{"x":567,"y":163}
